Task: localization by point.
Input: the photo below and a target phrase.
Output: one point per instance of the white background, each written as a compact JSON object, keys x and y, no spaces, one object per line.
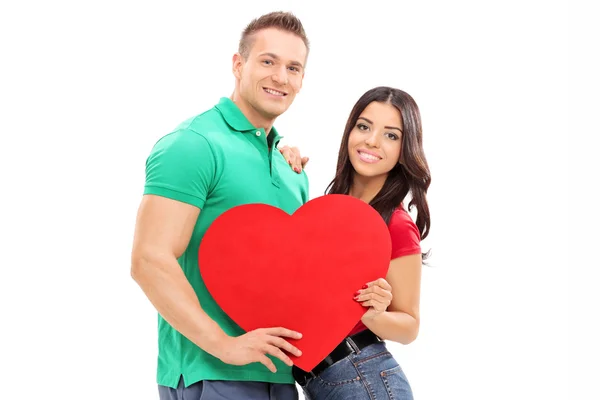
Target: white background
{"x":88,"y":87}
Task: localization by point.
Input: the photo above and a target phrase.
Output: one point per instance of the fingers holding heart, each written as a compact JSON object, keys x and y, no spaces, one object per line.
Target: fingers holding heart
{"x":372,"y":298}
{"x":377,"y":294}
{"x":381,"y":283}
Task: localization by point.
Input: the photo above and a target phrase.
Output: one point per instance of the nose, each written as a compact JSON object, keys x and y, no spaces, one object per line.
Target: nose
{"x":280,"y":76}
{"x":372,"y":140}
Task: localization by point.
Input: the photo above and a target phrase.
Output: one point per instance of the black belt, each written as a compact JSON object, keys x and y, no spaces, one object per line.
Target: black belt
{"x":348,"y":346}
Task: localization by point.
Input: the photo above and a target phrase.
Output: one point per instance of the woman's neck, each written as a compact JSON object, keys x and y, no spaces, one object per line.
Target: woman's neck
{"x":366,"y":188}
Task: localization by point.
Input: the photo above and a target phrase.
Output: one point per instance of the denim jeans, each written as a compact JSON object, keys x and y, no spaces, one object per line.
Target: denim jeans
{"x":373,"y":373}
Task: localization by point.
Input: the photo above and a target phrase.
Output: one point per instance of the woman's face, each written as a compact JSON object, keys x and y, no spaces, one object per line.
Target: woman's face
{"x":375,"y":142}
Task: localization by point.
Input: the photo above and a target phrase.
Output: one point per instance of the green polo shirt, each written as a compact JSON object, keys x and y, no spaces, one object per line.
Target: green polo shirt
{"x":216,"y":161}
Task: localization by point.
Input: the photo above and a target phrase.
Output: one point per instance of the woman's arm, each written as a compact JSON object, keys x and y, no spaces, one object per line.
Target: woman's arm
{"x":400,"y":321}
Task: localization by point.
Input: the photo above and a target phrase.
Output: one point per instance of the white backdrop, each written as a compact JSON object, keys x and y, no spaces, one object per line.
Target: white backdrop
{"x":89,"y":88}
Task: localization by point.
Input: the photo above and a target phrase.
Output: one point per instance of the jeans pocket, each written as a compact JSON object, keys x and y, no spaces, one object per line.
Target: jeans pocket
{"x":341,"y":373}
{"x":396,"y":384}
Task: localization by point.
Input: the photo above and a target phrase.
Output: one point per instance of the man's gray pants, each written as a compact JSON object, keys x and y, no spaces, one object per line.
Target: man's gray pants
{"x":229,"y":390}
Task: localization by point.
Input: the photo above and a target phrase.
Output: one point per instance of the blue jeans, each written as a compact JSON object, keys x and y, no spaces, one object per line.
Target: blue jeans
{"x":373,"y":373}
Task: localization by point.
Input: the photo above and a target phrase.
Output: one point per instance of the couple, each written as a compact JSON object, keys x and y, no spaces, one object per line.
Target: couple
{"x":228,"y":156}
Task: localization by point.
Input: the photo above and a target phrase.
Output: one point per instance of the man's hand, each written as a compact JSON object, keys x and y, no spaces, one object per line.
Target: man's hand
{"x":255,"y":345}
{"x":293,"y":157}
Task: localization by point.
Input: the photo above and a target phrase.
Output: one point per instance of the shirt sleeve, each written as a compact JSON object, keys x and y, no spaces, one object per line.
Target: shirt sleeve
{"x":181,"y":166}
{"x":406,"y":239}
{"x":304,"y":190}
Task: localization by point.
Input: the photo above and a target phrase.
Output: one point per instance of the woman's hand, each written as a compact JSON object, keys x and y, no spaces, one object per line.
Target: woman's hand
{"x":293,"y":157}
{"x":376,"y":295}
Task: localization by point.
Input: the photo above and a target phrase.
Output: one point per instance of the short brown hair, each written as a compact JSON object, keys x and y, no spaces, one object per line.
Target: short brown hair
{"x":280,"y":20}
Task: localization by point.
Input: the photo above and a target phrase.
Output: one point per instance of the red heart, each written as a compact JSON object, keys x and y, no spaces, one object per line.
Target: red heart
{"x":266,"y":268}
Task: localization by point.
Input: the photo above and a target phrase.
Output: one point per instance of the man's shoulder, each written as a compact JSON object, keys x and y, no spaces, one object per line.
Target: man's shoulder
{"x":203,"y":122}
{"x":199,"y":128}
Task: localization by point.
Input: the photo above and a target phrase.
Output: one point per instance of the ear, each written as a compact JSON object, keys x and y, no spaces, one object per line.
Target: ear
{"x":237,"y":65}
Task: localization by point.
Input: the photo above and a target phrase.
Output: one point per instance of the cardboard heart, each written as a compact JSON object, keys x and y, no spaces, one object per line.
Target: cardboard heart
{"x":265,"y":268}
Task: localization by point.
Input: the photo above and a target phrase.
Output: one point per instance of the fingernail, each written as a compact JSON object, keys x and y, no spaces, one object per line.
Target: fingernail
{"x":297,"y":169}
{"x":356,"y":298}
{"x":366,"y":286}
{"x":356,"y":293}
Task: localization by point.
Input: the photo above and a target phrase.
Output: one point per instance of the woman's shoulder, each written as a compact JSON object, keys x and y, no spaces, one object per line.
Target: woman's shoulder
{"x":401,"y":220}
{"x":405,"y":235}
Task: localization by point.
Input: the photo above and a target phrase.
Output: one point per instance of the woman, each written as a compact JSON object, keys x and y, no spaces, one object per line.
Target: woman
{"x":381,"y":161}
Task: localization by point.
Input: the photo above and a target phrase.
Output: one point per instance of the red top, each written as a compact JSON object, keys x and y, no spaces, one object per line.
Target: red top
{"x":406,"y":240}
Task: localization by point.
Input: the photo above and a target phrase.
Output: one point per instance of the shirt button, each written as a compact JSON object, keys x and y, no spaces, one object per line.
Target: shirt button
{"x":257,"y":133}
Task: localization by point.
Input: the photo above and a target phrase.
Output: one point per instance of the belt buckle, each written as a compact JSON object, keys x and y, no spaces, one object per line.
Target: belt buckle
{"x":310,"y":374}
{"x":351,"y":345}
{"x":307,"y":377}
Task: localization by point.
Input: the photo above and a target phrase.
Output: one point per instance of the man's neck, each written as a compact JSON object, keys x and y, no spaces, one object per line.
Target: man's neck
{"x":255,"y":118}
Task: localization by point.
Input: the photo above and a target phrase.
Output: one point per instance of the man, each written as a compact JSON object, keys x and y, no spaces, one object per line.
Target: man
{"x":217,"y":160}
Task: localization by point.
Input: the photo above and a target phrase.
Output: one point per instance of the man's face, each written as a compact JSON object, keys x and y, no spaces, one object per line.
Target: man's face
{"x":272,"y":75}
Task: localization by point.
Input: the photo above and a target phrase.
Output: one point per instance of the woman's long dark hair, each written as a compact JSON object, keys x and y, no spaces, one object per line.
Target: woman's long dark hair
{"x":411,"y":175}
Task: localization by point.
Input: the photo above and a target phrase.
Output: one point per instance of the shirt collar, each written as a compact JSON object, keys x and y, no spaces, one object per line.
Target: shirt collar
{"x":238,"y":121}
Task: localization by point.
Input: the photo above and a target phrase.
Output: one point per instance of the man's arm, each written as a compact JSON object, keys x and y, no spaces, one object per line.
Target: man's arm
{"x":162,"y":233}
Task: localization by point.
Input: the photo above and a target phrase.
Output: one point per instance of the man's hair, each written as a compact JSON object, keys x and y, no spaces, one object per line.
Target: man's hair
{"x":284,"y":21}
